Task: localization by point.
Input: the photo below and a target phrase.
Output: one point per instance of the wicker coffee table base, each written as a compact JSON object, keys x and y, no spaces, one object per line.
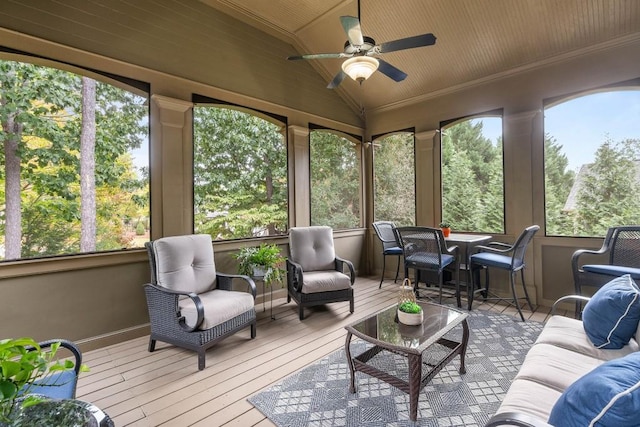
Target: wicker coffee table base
{"x":416,"y":380}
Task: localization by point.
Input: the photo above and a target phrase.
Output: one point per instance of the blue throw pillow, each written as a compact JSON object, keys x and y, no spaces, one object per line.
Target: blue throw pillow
{"x":611,"y":317}
{"x":608,"y":396}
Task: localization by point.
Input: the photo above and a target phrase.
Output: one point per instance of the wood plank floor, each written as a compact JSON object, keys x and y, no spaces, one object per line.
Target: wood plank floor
{"x":138,"y":388}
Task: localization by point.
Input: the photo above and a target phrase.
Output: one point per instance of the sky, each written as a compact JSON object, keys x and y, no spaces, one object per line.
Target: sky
{"x":582,"y":124}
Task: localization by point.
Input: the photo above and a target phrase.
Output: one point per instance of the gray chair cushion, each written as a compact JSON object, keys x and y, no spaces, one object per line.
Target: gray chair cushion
{"x":185,"y":263}
{"x":312,"y":248}
{"x":219,"y":306}
{"x":325,"y":281}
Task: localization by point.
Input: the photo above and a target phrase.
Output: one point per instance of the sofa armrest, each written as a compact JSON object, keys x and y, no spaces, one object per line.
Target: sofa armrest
{"x":516,"y":419}
{"x":566,"y":298}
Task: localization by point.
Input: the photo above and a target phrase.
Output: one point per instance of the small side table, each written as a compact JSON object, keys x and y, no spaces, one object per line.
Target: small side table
{"x":264,"y":308}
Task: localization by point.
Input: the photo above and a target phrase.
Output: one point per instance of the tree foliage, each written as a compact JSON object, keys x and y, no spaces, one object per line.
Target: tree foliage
{"x":41,"y":113}
{"x":394,"y":179}
{"x":335,"y":181}
{"x":240,"y":174}
{"x":472,"y":179}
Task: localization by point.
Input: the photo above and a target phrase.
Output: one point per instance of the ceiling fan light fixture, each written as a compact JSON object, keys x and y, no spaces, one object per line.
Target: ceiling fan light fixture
{"x":360,"y":68}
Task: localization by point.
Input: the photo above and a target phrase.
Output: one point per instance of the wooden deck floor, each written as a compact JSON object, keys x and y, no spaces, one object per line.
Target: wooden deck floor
{"x":138,"y":388}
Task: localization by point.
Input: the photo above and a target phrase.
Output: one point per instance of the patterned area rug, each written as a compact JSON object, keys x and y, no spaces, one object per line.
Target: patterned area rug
{"x":318,"y":395}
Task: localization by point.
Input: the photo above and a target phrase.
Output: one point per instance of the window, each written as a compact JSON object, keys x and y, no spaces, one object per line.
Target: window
{"x":472,"y":175}
{"x":394,"y":179}
{"x":240,"y":174}
{"x":335,"y":180}
{"x":74,"y":171}
{"x":592,"y":164}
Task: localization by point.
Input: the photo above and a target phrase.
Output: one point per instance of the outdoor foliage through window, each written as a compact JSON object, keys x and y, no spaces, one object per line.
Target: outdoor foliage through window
{"x":240,"y":174}
{"x":592,"y":165}
{"x":72,"y":177}
{"x":394,"y":179}
{"x":335,"y":181}
{"x":472,"y":175}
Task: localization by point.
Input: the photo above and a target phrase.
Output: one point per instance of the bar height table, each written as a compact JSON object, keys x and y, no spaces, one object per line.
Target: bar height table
{"x":467,"y":242}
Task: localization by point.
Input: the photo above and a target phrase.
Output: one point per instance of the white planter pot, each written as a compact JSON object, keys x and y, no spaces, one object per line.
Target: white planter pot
{"x":410,"y":318}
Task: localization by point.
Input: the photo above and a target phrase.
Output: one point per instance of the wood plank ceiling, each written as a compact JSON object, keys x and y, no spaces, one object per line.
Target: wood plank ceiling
{"x":477,"y":40}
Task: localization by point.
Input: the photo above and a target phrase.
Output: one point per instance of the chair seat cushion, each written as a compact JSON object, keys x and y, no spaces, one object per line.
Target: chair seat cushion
{"x":611,"y":316}
{"x":609,"y":395}
{"x":393,"y":251}
{"x":612,"y":270}
{"x":219,"y":306}
{"x":324,"y":281}
{"x":494,"y":260}
{"x":59,"y":385}
{"x":428,"y":260}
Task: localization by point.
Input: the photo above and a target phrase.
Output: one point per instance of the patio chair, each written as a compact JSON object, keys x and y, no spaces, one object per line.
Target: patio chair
{"x":425,"y":250}
{"x":504,"y":257}
{"x":191,"y":305}
{"x":386,"y":232}
{"x":315,"y":274}
{"x":60,"y":384}
{"x":621,"y":249}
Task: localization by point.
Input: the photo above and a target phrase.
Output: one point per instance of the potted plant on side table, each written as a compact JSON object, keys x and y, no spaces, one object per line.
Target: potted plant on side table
{"x":264,"y":262}
{"x":446,"y":228}
{"x":410,"y":313}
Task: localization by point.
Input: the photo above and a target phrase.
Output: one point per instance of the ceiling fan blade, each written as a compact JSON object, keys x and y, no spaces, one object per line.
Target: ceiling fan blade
{"x":319,"y":56}
{"x":408,"y":43}
{"x":337,"y":80}
{"x":351,"y":26}
{"x":391,"y":71}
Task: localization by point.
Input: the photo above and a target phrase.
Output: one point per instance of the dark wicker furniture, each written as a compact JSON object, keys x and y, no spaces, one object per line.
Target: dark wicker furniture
{"x":386,"y":232}
{"x":413,"y":342}
{"x":504,"y":257}
{"x":619,"y":255}
{"x":425,"y":250}
{"x":60,"y":384}
{"x":315,"y":274}
{"x":183,"y":279}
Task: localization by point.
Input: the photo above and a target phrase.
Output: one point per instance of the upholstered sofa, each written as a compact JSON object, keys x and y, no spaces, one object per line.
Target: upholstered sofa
{"x":566,"y":380}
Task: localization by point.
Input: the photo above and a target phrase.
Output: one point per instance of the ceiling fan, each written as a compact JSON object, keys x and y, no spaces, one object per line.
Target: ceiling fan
{"x":362,"y":52}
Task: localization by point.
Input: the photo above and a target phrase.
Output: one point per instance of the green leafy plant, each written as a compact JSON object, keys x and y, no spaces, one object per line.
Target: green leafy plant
{"x":410,"y":307}
{"x":444,"y":224}
{"x":22,"y":362}
{"x":265,"y":257}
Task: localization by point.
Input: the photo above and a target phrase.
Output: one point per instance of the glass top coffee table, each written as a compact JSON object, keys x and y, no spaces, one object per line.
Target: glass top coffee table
{"x":413,"y":342}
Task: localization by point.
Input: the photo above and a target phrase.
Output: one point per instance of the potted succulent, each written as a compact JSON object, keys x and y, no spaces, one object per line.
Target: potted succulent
{"x":410,"y":313}
{"x":446,"y":228}
{"x":22,"y":363}
{"x":264,"y":262}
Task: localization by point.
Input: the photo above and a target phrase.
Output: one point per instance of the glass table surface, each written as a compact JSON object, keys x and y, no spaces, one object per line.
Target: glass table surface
{"x":385,"y":329}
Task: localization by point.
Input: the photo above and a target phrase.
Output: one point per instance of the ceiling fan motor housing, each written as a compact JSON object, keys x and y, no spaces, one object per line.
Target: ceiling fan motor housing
{"x":368,"y":44}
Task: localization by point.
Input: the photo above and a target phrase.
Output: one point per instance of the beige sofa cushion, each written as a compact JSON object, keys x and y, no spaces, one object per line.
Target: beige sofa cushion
{"x":569,"y":334}
{"x":555,"y":367}
{"x":531,"y":398}
{"x":324,"y":281}
{"x":219,"y":306}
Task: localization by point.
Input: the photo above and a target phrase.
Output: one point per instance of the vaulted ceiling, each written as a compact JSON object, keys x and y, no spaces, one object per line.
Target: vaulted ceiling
{"x":477,"y":40}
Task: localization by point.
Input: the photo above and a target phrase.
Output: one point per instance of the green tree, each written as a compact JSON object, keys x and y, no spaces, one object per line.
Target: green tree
{"x":472,"y":178}
{"x":558,"y":182}
{"x":609,"y":192}
{"x":394,"y":179}
{"x":240,"y":174}
{"x":41,"y":111}
{"x":335,"y":181}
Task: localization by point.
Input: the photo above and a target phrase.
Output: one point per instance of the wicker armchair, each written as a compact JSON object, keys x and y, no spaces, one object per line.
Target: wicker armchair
{"x":386,"y":232}
{"x":190,"y":304}
{"x":314,"y":272}
{"x":426,"y":251}
{"x":621,"y":252}
{"x":60,"y":384}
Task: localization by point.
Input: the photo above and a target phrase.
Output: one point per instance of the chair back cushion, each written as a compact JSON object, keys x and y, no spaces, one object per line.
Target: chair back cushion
{"x":312,"y":247}
{"x":185,"y":263}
